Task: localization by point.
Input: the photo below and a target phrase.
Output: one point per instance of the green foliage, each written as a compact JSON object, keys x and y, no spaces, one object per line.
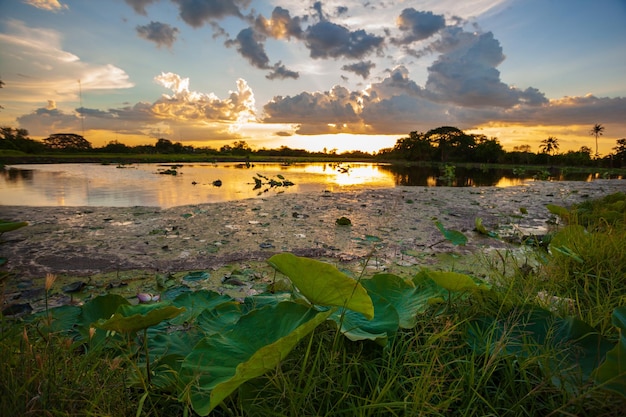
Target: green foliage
{"x":612,"y":373}
{"x":323,"y":284}
{"x":219,"y":364}
{"x":10,"y":226}
{"x":453,"y":236}
{"x":493,"y":351}
{"x":132,"y":318}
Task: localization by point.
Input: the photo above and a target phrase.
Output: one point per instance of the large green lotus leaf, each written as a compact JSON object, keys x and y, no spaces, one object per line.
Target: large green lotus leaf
{"x":129,"y":318}
{"x":220,"y":318}
{"x":453,"y":236}
{"x":101,"y":307}
{"x":355,"y":326}
{"x":588,"y":350}
{"x":220,"y":363}
{"x":196,"y":302}
{"x":454,"y":281}
{"x":261,"y":300}
{"x":403,"y":295}
{"x":64,"y":319}
{"x":323,"y":284}
{"x":575,"y":348}
{"x":612,"y":372}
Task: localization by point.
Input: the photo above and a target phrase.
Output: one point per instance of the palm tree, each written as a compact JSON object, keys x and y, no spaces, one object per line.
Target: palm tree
{"x":597,"y":131}
{"x":549,"y":145}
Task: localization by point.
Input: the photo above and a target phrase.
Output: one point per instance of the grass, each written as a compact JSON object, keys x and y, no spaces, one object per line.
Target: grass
{"x":428,"y":370}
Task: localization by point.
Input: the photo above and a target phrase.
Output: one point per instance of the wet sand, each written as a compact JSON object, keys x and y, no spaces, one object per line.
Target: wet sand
{"x":80,"y":241}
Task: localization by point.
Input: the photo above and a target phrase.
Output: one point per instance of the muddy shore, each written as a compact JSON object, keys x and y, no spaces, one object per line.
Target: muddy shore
{"x":392,"y":223}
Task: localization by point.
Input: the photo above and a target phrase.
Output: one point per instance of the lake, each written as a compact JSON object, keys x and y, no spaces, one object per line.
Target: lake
{"x":168,"y":185}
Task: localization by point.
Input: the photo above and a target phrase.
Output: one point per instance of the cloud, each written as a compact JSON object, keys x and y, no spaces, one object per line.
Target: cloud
{"x":397,"y":84}
{"x":198,"y":115}
{"x":318,"y":112}
{"x":195,"y":106}
{"x":279,"y":71}
{"x":329,"y":40}
{"x":140,"y":5}
{"x":51,"y":72}
{"x":50,"y":5}
{"x":465,"y":73}
{"x":198,"y":12}
{"x":160,"y":33}
{"x":250,"y":46}
{"x":280,"y":25}
{"x":360,"y":68}
{"x":418,"y":25}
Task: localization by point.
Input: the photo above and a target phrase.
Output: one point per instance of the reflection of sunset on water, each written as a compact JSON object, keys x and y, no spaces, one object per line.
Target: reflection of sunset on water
{"x":345,"y":175}
{"x":509,"y":182}
{"x":97,"y":185}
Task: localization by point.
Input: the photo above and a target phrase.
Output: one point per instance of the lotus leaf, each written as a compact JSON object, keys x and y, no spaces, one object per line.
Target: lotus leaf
{"x":562,"y":212}
{"x":196,"y":302}
{"x":454,"y":281}
{"x":220,"y":363}
{"x":323,"y":284}
{"x":612,"y":373}
{"x":403,"y":295}
{"x":129,"y":319}
{"x":355,"y":326}
{"x":10,"y":226}
{"x":453,"y":236}
{"x":101,"y":307}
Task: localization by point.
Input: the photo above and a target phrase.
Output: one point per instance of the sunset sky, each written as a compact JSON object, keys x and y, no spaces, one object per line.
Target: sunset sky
{"x":334,"y":74}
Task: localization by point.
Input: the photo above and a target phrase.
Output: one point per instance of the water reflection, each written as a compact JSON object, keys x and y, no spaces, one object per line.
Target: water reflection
{"x":142,"y":185}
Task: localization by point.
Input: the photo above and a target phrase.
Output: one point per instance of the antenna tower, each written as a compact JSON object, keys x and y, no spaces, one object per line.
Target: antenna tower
{"x":82,"y":118}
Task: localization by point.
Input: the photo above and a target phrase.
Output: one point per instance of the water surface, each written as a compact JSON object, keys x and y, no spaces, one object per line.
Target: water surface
{"x":146,"y":185}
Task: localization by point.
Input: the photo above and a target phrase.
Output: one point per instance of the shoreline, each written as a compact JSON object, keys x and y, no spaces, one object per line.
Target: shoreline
{"x":86,"y":240}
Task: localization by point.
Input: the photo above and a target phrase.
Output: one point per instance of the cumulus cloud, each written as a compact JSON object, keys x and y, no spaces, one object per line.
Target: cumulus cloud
{"x":50,"y":5}
{"x":316,"y":112}
{"x":362,"y":68}
{"x":329,"y":40}
{"x":160,"y":33}
{"x":190,"y":105}
{"x":465,"y":73}
{"x":196,"y":113}
{"x":418,"y":25}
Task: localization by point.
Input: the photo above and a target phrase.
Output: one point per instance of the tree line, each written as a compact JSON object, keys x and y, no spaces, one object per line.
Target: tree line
{"x":444,"y":144}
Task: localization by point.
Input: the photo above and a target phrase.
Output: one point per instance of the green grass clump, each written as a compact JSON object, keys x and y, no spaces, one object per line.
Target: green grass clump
{"x":43,"y":373}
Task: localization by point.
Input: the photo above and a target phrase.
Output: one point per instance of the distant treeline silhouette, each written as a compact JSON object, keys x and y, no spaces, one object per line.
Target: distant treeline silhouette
{"x":444,"y":144}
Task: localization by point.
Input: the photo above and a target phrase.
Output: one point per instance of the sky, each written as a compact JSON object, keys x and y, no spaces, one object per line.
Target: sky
{"x":330,"y":74}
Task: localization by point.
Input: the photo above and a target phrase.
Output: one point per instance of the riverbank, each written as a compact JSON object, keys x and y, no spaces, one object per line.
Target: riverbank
{"x":393,"y":225}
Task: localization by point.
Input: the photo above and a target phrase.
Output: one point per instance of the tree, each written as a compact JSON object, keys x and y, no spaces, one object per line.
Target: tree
{"x":620,"y":151}
{"x":488,"y":150}
{"x":18,"y":140}
{"x":450,"y":142}
{"x":549,"y":145}
{"x":414,"y":148}
{"x":597,"y":131}
{"x":67,"y":142}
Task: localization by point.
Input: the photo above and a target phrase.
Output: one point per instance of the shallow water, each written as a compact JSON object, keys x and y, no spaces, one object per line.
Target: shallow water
{"x":144,"y":185}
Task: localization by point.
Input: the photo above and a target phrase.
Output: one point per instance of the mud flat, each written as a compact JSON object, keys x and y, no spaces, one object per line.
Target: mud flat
{"x":392,"y":224}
